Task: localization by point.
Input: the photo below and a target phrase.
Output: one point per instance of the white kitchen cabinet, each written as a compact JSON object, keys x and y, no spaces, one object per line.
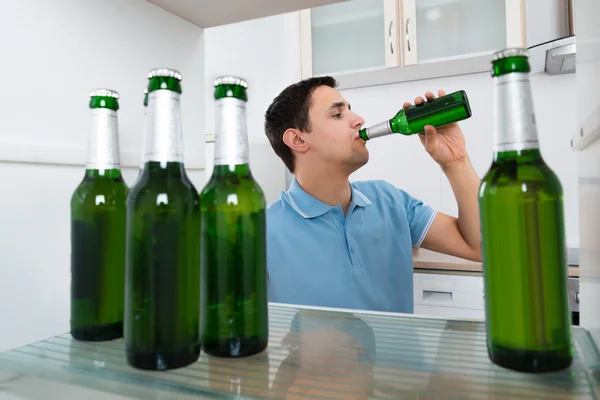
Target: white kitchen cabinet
{"x":370,"y":42}
{"x":346,"y":37}
{"x":449,"y":295}
{"x":457,"y":28}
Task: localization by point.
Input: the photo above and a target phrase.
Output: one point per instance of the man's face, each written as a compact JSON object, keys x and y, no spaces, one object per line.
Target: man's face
{"x":334,"y":131}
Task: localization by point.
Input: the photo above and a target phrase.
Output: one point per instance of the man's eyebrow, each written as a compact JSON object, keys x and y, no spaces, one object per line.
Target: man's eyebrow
{"x":338,"y":105}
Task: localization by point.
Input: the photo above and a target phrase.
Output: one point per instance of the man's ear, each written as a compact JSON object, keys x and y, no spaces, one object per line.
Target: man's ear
{"x":293,"y":139}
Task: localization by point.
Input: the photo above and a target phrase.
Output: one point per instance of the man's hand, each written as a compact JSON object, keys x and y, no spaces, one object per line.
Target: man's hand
{"x":446,"y":145}
{"x":455,"y":236}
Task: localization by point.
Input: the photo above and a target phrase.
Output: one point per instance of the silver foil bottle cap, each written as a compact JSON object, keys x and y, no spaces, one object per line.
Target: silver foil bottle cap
{"x":510,"y":52}
{"x":104,"y":93}
{"x":231,"y":80}
{"x":165,"y":72}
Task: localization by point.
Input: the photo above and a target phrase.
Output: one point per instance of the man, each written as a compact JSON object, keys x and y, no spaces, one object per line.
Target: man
{"x":338,"y":244}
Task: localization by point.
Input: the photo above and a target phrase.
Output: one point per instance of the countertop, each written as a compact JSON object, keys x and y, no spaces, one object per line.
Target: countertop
{"x":312,"y":353}
{"x":430,"y":260}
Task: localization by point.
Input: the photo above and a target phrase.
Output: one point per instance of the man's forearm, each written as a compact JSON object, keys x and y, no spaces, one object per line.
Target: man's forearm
{"x":465,"y":185}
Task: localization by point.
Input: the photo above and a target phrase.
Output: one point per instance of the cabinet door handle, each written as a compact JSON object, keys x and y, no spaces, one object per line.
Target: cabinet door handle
{"x":436,"y":296}
{"x":390,"y":37}
{"x":407,"y":34}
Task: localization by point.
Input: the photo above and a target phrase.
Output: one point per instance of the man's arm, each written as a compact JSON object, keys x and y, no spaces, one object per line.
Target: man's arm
{"x":460,"y":236}
{"x":454,"y":236}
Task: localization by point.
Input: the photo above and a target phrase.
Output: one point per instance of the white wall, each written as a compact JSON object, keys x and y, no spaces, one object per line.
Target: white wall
{"x":545,"y":20}
{"x":402,"y":160}
{"x":53,"y":53}
{"x":266,"y":53}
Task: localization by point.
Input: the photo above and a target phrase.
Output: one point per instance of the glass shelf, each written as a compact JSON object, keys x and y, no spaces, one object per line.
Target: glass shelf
{"x":312,"y":353}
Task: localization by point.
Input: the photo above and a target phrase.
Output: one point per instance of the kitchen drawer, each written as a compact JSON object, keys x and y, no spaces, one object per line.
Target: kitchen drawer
{"x":449,"y":298}
{"x":448,"y":282}
{"x":449,"y":312}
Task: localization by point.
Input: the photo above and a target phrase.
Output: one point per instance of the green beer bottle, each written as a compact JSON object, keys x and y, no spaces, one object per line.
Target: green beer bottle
{"x":523,"y":235}
{"x":98,"y":230}
{"x":162,"y":300}
{"x":444,"y":110}
{"x":233,"y":237}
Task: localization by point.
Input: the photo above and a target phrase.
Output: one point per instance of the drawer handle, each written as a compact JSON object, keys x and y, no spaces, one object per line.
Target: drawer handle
{"x":407,"y":34}
{"x":435,"y":296}
{"x":390,"y":37}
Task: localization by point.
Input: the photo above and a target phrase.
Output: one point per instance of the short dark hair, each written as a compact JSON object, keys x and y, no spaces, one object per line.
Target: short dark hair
{"x":290,"y":110}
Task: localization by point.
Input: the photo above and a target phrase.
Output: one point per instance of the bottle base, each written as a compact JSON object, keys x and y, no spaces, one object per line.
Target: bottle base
{"x":234,"y":347}
{"x":530,"y":361}
{"x":98,"y":333}
{"x":162,"y":360}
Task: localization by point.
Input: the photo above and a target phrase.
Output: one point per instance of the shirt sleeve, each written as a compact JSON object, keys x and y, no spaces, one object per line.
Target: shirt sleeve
{"x":420,"y":217}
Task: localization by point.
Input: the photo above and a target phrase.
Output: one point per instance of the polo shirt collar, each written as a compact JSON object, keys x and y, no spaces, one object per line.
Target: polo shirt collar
{"x":308,"y":206}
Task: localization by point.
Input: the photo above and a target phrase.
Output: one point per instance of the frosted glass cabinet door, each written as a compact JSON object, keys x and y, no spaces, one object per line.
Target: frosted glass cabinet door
{"x":349,"y":37}
{"x":457,"y":28}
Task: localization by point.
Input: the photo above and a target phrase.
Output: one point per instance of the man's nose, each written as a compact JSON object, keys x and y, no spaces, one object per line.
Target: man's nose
{"x":358,"y":122}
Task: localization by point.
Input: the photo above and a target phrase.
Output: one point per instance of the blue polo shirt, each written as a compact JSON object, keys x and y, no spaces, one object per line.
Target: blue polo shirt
{"x":363,"y":260}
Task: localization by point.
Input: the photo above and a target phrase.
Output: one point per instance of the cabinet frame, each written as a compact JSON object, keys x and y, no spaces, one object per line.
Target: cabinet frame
{"x":390,"y":38}
{"x":399,"y":37}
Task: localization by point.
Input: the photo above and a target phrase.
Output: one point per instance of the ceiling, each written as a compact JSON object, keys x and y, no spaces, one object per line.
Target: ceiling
{"x":210,"y":13}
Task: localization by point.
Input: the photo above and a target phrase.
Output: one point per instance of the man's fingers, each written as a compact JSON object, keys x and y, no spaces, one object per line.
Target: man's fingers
{"x":429,"y":130}
{"x":419,"y":100}
{"x":429,"y":96}
{"x":430,"y":139}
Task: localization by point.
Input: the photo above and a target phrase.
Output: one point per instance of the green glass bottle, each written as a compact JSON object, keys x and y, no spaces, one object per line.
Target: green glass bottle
{"x":233,"y":237}
{"x":444,"y":110}
{"x":98,"y":230}
{"x":523,"y":234}
{"x":162,"y":300}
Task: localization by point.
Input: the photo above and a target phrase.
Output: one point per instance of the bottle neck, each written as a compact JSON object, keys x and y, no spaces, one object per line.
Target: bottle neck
{"x":163,"y":139}
{"x":236,"y":171}
{"x":103,"y":146}
{"x":103,"y":174}
{"x":162,"y":170}
{"x":231,"y":138}
{"x":398,"y":124}
{"x":526,"y":156}
{"x":377,"y":130}
{"x":515,"y":129}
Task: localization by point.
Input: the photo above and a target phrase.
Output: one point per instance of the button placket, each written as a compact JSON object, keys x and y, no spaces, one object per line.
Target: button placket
{"x":352,"y":250}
